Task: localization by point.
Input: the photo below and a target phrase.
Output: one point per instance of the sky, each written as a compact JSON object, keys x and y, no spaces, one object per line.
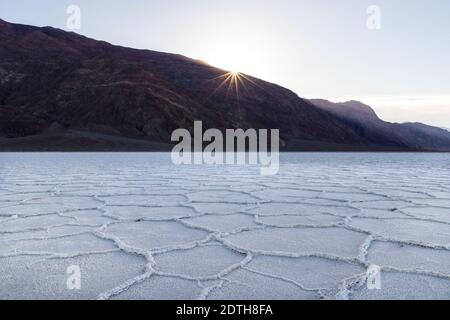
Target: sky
{"x":396,"y":58}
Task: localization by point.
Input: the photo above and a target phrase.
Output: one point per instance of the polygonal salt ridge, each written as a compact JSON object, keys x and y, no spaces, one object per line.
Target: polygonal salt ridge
{"x":409,"y":286}
{"x":302,"y":209}
{"x":231,"y":223}
{"x":219,"y":208}
{"x":59,"y":247}
{"x":20,"y":197}
{"x":149,"y":213}
{"x":244,"y":284}
{"x":383,"y":204}
{"x":8,"y":203}
{"x":399,"y":193}
{"x":285,"y":195}
{"x":292,"y":221}
{"x":284,"y":182}
{"x":222,"y":183}
{"x":406,"y":230}
{"x":55,"y":232}
{"x":156,"y":235}
{"x":315,"y":181}
{"x":410,"y":258}
{"x":351,"y":196}
{"x":380,"y":214}
{"x":23,"y":235}
{"x":200,"y":263}
{"x":335,"y":243}
{"x":28,"y":210}
{"x":41,"y":278}
{"x":92,"y":218}
{"x":319,"y":202}
{"x":428,"y":213}
{"x":5,"y":218}
{"x":66,"y":203}
{"x":145,"y":200}
{"x":166,"y":191}
{"x":32,"y":188}
{"x":439,"y":203}
{"x":336,"y":189}
{"x":310,"y":273}
{"x":161,"y":288}
{"x":101,"y":191}
{"x":33,"y":223}
{"x":223,"y":196}
{"x":442,"y":193}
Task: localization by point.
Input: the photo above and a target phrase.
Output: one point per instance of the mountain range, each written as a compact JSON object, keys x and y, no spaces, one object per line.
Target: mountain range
{"x":365,"y":122}
{"x":60,"y":91}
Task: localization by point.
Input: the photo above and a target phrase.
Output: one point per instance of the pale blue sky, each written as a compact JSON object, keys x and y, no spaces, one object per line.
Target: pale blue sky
{"x":319,"y":48}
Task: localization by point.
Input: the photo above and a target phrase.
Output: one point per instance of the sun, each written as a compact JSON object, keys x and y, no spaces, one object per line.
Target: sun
{"x":233,"y":54}
{"x":234,"y":82}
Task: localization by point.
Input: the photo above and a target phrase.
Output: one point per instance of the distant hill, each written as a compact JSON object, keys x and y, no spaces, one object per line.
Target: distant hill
{"x":62,"y":91}
{"x":364,"y":121}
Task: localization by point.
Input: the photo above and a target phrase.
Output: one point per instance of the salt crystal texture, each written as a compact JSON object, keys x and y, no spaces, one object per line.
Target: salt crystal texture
{"x":139,"y":227}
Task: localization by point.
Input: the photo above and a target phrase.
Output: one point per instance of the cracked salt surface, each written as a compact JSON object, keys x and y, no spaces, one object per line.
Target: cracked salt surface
{"x":140,"y":228}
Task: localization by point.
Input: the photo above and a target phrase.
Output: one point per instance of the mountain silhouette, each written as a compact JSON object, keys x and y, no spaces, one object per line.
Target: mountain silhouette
{"x":63,"y":91}
{"x":364,"y":121}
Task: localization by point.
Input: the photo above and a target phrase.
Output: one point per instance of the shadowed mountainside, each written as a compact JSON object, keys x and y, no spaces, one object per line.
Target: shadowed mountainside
{"x":364,"y":121}
{"x":63,"y":91}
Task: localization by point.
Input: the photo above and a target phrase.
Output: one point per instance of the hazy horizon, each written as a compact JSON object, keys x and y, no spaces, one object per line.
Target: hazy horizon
{"x":318,"y":50}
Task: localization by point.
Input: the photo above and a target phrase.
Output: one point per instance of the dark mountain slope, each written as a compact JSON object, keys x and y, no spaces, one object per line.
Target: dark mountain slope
{"x":364,"y":121}
{"x":53,"y":78}
{"x":63,"y":91}
{"x":424,"y":136}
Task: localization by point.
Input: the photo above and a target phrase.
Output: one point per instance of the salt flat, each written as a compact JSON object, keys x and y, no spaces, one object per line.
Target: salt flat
{"x":139,"y":227}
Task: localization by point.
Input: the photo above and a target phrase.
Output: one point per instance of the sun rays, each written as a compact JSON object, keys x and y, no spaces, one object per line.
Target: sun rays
{"x":237,"y":86}
{"x":234,"y":82}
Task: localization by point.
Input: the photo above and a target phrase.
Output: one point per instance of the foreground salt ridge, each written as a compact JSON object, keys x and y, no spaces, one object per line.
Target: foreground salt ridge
{"x":142,"y":229}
